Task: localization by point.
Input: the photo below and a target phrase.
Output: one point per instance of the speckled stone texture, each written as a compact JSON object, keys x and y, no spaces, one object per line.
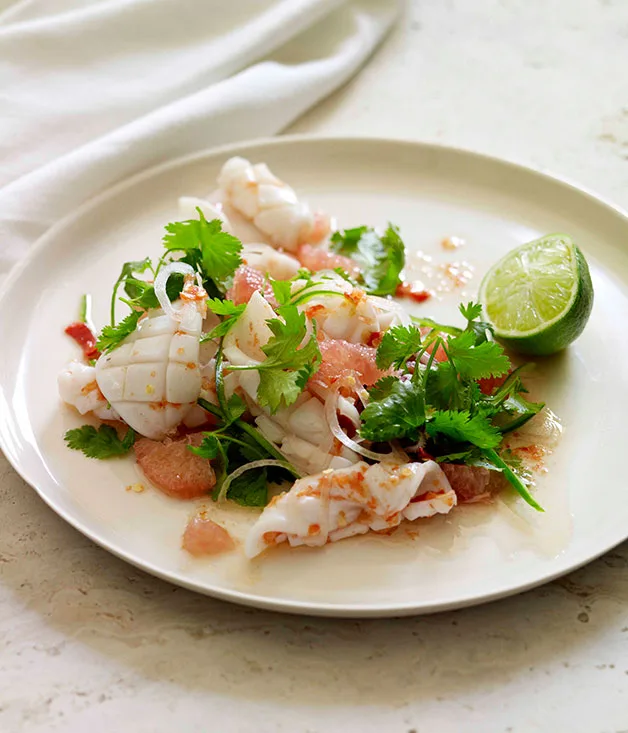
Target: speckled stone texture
{"x":87,"y":643}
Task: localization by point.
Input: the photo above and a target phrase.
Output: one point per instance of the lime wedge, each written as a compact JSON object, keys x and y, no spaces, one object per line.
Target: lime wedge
{"x":539,"y":296}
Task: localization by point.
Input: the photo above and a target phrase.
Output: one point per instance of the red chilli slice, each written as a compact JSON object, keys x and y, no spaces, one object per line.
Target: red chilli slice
{"x":84,"y":337}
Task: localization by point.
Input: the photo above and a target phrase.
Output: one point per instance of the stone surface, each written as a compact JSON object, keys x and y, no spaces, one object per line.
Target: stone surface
{"x":88,"y":643}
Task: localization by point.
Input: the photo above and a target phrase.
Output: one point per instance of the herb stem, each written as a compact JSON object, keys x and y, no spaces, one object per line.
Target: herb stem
{"x":512,"y":477}
{"x":220,"y":386}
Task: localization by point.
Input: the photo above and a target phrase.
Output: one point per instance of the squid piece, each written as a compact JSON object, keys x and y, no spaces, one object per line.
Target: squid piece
{"x":336,"y":504}
{"x":153,"y":378}
{"x":352,"y":315}
{"x":78,"y":387}
{"x":262,"y":257}
{"x":270,"y":204}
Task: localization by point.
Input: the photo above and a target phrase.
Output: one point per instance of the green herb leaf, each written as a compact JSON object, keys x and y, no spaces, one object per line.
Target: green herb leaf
{"x":282,"y":290}
{"x":209,"y":447}
{"x":477,"y":362}
{"x":471,"y":311}
{"x":112,"y":336}
{"x":461,"y":427}
{"x":236,"y":407}
{"x":287,"y":368}
{"x":397,"y":346}
{"x":225,"y":307}
{"x":250,"y":489}
{"x":217,"y":252}
{"x":396,"y":409}
{"x":128,"y":268}
{"x":142,"y":293}
{"x":279,"y":388}
{"x":100,"y":443}
{"x":515,"y":412}
{"x":231,"y":313}
{"x":439,"y":327}
{"x":515,"y":481}
{"x":346,"y":243}
{"x":380,"y":257}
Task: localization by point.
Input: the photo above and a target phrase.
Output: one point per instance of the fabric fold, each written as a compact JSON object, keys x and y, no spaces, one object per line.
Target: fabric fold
{"x":77,"y":120}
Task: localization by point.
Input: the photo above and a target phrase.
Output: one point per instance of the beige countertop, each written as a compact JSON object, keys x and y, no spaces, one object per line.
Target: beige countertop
{"x":88,"y":643}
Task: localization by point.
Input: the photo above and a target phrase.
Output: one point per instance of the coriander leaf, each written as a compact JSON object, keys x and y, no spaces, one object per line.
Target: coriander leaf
{"x":288,"y":333}
{"x":219,"y":251}
{"x":397,"y":346}
{"x":346,"y":243}
{"x":231,"y":313}
{"x":382,"y":388}
{"x":462,"y":427}
{"x":471,"y":311}
{"x":222,"y":329}
{"x":279,"y":388}
{"x":112,"y":336}
{"x":380,"y":257}
{"x":443,"y":388}
{"x":225,"y":307}
{"x":236,"y":407}
{"x":128,"y":268}
{"x":477,"y":362}
{"x":481,"y":329}
{"x":381,"y":260}
{"x":142,"y":293}
{"x":282,"y":290}
{"x":100,"y":443}
{"x":208,"y":448}
{"x":250,"y":489}
{"x":396,"y":410}
{"x":287,"y":368}
{"x":515,"y":412}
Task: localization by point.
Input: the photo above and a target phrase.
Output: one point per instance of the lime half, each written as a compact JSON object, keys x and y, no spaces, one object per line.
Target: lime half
{"x":539,"y":296}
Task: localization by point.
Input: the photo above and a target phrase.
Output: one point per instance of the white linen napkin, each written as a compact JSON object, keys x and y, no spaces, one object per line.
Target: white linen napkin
{"x":93,"y":92}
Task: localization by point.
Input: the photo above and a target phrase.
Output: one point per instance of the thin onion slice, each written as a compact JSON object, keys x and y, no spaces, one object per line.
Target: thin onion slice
{"x":266,"y":462}
{"x":160,"y":286}
{"x":332,"y":419}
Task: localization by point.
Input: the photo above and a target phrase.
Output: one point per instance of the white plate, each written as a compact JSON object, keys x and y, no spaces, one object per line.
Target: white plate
{"x":474,"y":555}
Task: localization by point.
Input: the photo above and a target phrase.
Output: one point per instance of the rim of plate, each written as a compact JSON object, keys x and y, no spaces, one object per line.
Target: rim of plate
{"x":342,"y":610}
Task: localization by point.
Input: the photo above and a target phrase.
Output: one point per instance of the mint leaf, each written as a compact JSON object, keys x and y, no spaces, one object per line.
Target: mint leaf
{"x":100,"y":443}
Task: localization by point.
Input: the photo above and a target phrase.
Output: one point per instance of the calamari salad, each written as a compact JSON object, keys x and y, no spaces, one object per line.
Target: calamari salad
{"x":285,"y":375}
